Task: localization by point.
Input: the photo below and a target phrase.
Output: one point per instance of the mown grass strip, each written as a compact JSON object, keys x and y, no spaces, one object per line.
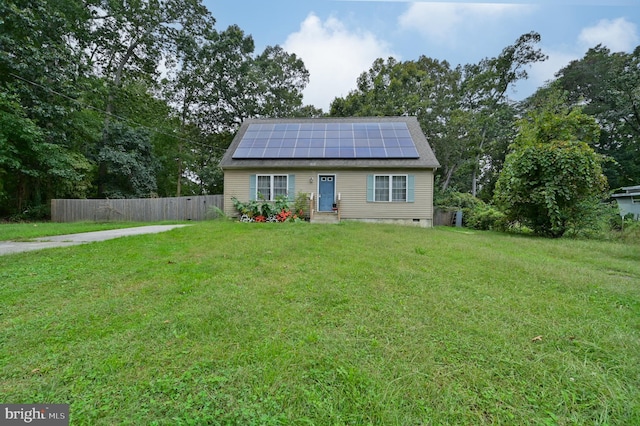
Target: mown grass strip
{"x":28,"y":231}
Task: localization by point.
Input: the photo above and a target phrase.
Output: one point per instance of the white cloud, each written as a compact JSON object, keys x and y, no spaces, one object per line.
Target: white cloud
{"x":543,"y":72}
{"x":334,"y":55}
{"x":441,"y":22}
{"x":619,"y":35}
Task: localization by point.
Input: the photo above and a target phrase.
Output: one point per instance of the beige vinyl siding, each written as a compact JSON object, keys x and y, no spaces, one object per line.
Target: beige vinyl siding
{"x":351,"y":187}
{"x":236,"y":184}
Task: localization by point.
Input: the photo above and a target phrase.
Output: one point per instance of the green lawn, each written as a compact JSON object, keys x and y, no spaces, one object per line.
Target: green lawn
{"x":230,"y":323}
{"x":28,"y":231}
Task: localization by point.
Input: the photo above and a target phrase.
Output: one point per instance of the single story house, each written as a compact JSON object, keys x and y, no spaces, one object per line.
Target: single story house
{"x":629,"y":201}
{"x":363,"y":168}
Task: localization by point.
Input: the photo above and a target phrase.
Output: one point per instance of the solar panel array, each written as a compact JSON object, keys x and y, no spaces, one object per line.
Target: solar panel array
{"x":326,"y":140}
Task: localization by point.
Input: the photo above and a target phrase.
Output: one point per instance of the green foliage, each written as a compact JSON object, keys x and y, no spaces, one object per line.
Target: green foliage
{"x":456,"y":200}
{"x":281,"y":78}
{"x":606,"y":84}
{"x":463,"y":110}
{"x":216,"y":213}
{"x":70,"y":70}
{"x":30,"y":213}
{"x":37,"y":157}
{"x":301,"y":205}
{"x":31,"y":166}
{"x":250,"y":208}
{"x":629,"y":232}
{"x":605,"y":223}
{"x":476,"y":214}
{"x":552,"y":120}
{"x":268,"y":209}
{"x":486,"y":217}
{"x":128,"y":162}
{"x":222,"y":81}
{"x":552,"y":181}
{"x":265,"y":211}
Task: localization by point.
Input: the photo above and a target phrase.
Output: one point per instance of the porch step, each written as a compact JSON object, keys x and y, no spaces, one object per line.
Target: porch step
{"x":322,"y":217}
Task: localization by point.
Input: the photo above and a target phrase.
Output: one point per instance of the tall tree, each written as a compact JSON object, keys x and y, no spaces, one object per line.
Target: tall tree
{"x":485,"y":90}
{"x":606,"y":85}
{"x":33,"y":169}
{"x":128,"y":157}
{"x":461,"y":110}
{"x":40,"y":74}
{"x":426,"y":88}
{"x":219,"y":85}
{"x":83,"y":102}
{"x":279,"y":78}
{"x":552,"y":180}
{"x":131,"y":39}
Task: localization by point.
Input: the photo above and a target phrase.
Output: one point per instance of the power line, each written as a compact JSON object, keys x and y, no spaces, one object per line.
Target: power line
{"x":84,"y":105}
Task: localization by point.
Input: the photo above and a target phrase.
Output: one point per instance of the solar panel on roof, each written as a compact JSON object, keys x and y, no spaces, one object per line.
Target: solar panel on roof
{"x":326,"y":140}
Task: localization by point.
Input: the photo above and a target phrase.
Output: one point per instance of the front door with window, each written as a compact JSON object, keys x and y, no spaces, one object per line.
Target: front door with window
{"x":326,"y":192}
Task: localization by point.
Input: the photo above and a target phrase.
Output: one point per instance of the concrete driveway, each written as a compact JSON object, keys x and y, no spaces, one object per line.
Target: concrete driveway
{"x":8,"y":247}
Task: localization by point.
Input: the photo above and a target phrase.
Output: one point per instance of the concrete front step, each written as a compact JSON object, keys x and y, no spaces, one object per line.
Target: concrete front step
{"x":325,"y":218}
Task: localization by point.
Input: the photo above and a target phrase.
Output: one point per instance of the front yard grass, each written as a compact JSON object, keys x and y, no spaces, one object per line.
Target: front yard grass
{"x":10,"y":231}
{"x":232,"y":323}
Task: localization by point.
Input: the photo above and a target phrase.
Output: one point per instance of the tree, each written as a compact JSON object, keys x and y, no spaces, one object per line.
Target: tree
{"x":129,"y":41}
{"x":491,"y":156}
{"x":32,"y":168}
{"x":39,"y":76}
{"x":485,"y":87}
{"x":85,"y":108}
{"x":128,"y":161}
{"x":462,"y":110}
{"x":552,"y":180}
{"x":279,"y":78}
{"x":606,"y":85}
{"x":308,"y":111}
{"x":220,"y":84}
{"x":426,"y":88}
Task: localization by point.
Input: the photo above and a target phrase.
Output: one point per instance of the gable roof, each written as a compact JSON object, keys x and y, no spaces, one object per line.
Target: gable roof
{"x":356,"y":142}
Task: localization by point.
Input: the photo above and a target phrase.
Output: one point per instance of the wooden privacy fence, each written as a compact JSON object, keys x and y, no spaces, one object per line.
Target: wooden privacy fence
{"x":199,"y":207}
{"x":442,"y":217}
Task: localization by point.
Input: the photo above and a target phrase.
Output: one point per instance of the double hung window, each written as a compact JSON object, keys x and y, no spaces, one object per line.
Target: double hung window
{"x":270,"y":187}
{"x":390,"y":188}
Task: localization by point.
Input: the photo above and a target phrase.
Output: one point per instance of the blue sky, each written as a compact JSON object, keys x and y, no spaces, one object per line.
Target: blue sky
{"x":340,"y":39}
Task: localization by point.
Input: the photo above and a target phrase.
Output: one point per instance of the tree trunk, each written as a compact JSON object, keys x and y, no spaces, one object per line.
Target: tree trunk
{"x":447,"y":178}
{"x":21,"y":192}
{"x":179,"y":186}
{"x":474,"y":179}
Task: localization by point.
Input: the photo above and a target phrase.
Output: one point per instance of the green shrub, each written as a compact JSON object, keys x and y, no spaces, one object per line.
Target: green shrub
{"x":250,"y":208}
{"x":485,"y":217}
{"x":611,"y":226}
{"x":476,"y":213}
{"x":265,"y":211}
{"x":630,"y":232}
{"x":216,"y":213}
{"x":33,"y":213}
{"x":456,"y":200}
{"x":301,"y":205}
{"x":552,"y":179}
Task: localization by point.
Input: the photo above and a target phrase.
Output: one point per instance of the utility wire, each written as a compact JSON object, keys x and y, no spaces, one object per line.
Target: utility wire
{"x":155,"y":130}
